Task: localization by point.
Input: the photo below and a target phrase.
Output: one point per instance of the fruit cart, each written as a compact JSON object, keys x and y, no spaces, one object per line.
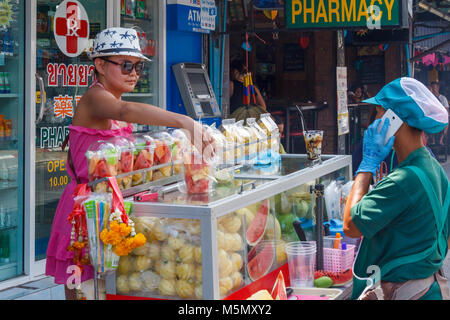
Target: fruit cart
{"x":214,"y":245}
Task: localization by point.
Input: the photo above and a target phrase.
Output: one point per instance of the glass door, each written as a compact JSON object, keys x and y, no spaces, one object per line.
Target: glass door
{"x":144,"y":16}
{"x":62,"y":78}
{"x":12,"y":61}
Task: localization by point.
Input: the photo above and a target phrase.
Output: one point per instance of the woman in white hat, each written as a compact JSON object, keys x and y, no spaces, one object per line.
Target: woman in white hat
{"x":102,"y":114}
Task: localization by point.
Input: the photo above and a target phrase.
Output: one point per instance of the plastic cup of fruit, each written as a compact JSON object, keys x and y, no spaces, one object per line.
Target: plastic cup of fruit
{"x":102,"y":159}
{"x":126,"y":151}
{"x":143,"y":159}
{"x":313,"y":142}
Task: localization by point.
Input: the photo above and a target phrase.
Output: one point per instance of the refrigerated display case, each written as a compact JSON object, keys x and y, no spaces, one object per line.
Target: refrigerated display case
{"x":207,"y":246}
{"x":12,"y":62}
{"x":144,"y":16}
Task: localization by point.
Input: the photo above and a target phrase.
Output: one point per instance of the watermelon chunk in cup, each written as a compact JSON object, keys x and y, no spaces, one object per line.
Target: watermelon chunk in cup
{"x":143,"y":159}
{"x":102,"y":157}
{"x":126,"y":150}
{"x":162,"y":155}
{"x":197,"y":174}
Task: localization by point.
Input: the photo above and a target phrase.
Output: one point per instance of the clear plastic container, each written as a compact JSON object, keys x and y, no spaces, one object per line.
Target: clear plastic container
{"x":181,"y":142}
{"x":301,"y":261}
{"x":231,"y":133}
{"x":125,"y":149}
{"x":224,"y":147}
{"x":198,"y":173}
{"x":163,"y":154}
{"x":143,"y":159}
{"x":102,"y":157}
{"x":270,"y":127}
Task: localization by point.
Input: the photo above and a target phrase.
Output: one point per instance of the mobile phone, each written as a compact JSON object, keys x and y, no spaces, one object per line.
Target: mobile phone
{"x":394,"y":124}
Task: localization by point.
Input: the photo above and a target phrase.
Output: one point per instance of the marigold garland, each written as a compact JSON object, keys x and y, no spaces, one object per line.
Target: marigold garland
{"x":121,"y":236}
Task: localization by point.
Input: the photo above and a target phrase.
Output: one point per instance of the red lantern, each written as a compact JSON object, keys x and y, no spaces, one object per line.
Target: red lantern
{"x":304,"y":42}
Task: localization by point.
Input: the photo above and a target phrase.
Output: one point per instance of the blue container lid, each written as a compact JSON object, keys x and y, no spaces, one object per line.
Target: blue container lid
{"x":306,"y":224}
{"x":336,"y":226}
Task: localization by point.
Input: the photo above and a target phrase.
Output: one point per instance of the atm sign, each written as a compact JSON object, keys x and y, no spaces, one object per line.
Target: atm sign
{"x":342,"y":13}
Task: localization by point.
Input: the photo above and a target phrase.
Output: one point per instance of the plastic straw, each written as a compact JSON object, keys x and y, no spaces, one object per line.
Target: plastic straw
{"x":302,"y":119}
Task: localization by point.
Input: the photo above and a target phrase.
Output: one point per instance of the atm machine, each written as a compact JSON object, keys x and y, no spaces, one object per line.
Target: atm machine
{"x":197,"y":92}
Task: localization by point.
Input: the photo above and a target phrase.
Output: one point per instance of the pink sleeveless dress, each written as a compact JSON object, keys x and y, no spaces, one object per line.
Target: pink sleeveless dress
{"x":80,"y":138}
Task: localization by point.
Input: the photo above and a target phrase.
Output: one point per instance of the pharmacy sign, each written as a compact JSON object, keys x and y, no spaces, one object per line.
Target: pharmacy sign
{"x":71,"y":28}
{"x":372,"y":14}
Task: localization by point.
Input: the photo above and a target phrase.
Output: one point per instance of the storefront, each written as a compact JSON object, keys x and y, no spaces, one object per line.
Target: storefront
{"x":47,"y":71}
{"x":294,"y":57}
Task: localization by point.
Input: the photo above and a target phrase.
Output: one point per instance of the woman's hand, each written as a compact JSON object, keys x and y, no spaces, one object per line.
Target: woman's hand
{"x":200,"y":138}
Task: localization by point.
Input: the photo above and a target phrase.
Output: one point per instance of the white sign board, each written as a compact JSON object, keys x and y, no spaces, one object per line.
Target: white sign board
{"x":71,"y":28}
{"x":208,"y":14}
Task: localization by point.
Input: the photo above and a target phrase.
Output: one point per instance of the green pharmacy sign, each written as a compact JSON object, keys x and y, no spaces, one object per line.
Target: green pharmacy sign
{"x":372,"y":14}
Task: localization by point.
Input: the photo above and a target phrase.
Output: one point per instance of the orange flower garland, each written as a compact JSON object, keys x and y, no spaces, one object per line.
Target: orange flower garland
{"x":122,"y":236}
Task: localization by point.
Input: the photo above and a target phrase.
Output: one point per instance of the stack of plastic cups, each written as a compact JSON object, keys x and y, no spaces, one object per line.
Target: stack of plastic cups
{"x":301,"y":257}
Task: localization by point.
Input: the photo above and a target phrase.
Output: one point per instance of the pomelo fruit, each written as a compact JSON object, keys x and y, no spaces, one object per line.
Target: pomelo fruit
{"x":258,"y":225}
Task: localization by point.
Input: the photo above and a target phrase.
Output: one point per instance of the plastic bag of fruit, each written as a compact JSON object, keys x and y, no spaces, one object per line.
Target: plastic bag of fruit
{"x":125,"y":149}
{"x":163,"y":154}
{"x":181,"y":142}
{"x":261,"y":135}
{"x":250,"y":141}
{"x":224,"y":147}
{"x":231,"y":133}
{"x":266,"y":122}
{"x":143,"y":158}
{"x":198,"y":172}
{"x":102,"y":157}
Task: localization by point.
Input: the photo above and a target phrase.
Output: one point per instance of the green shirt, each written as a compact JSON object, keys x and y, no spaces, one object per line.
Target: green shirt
{"x":396,"y":219}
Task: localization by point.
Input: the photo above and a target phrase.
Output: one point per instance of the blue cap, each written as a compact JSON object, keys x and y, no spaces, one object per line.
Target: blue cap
{"x":413,"y":103}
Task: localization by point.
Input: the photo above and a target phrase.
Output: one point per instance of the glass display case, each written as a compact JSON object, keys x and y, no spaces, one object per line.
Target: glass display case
{"x":209,"y":246}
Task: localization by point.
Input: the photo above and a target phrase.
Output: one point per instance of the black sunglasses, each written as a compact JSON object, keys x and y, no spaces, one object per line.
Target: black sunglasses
{"x":128,"y":66}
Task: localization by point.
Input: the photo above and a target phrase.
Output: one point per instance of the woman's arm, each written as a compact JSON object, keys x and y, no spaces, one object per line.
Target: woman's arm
{"x":104,"y":105}
{"x":231,"y":88}
{"x":259,"y":99}
{"x":359,"y":189}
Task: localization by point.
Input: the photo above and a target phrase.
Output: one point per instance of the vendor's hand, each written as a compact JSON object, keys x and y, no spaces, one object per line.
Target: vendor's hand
{"x":200,"y":138}
{"x":374,"y":149}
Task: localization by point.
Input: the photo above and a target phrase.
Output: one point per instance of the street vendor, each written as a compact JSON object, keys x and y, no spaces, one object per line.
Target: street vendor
{"x":404,"y":219}
{"x":100,"y":115}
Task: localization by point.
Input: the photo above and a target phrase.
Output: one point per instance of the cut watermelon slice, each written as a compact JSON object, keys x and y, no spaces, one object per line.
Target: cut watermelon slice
{"x":143,"y":160}
{"x":339,"y":278}
{"x":258,"y":225}
{"x":126,"y":161}
{"x":101,"y":170}
{"x":260,"y":260}
{"x":279,"y":289}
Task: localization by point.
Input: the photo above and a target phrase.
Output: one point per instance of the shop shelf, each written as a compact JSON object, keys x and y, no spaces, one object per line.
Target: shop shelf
{"x":8,"y":95}
{"x":7,"y":228}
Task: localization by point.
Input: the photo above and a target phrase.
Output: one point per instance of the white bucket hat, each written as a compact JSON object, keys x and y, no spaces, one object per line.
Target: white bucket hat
{"x":116,"y":41}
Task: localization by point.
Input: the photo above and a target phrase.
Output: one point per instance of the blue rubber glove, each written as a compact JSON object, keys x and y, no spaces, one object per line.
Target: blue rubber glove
{"x":374,"y":149}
